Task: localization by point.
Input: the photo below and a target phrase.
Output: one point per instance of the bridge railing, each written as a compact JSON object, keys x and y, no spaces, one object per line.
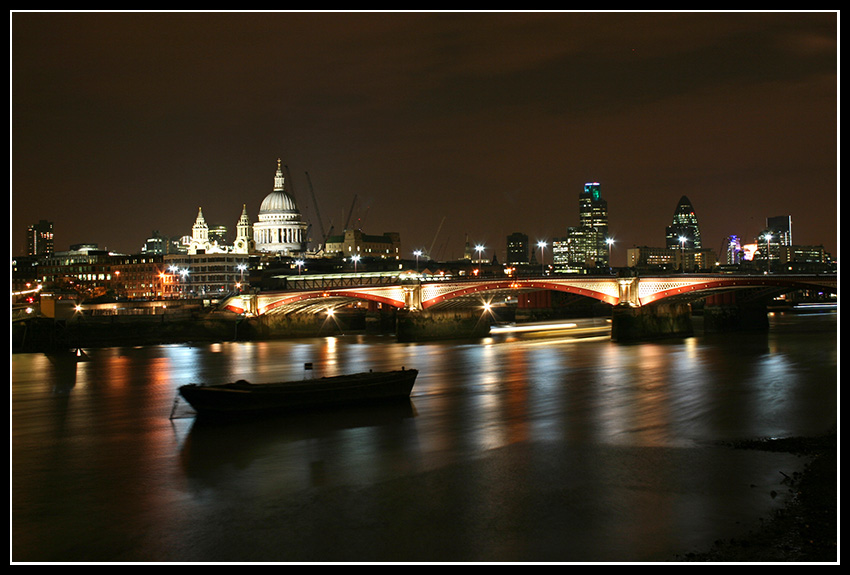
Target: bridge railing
{"x":351,"y":279}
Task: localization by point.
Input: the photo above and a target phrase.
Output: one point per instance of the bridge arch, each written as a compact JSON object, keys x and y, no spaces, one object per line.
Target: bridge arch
{"x":285,"y":302}
{"x":440,"y":293}
{"x":653,"y":290}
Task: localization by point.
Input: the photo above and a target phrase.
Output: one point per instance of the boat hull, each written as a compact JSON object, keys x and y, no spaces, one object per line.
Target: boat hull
{"x":242,"y":397}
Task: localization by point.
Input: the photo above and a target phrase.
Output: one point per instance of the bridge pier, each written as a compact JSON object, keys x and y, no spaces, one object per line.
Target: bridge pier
{"x":630,"y":323}
{"x":433,"y":325}
{"x":380,"y":319}
{"x":723,"y":313}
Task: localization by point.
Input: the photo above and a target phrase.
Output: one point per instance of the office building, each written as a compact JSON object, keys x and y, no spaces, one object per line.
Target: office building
{"x":40,"y":239}
{"x":517,"y":249}
{"x":780,"y":228}
{"x":668,"y":259}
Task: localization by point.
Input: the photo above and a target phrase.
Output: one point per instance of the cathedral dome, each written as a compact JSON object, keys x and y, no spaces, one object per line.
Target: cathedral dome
{"x":278,"y":202}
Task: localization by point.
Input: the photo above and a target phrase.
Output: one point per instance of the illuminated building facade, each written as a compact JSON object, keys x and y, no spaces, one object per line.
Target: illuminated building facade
{"x":578,"y":252}
{"x":560,"y":258}
{"x":355,"y":242}
{"x":138,"y":276}
{"x":92,"y":273}
{"x":204,"y":275}
{"x":684,"y":227}
{"x":661,"y":259}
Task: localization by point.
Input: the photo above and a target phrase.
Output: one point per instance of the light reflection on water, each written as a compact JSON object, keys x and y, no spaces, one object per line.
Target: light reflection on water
{"x":511,"y":448}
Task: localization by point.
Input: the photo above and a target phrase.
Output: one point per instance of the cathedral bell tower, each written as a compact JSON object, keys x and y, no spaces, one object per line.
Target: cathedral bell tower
{"x":244,"y":243}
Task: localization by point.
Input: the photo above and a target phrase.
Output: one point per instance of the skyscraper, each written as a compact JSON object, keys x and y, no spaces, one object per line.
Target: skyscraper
{"x":684,"y":231}
{"x":593,"y":218}
{"x":593,"y":211}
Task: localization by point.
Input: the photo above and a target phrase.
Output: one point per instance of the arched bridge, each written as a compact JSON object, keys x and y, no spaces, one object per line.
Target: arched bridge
{"x":410,"y":291}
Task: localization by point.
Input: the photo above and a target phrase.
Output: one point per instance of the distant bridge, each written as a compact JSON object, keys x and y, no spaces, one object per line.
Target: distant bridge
{"x":414,"y":292}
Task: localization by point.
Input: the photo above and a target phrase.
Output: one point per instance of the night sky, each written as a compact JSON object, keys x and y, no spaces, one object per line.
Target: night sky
{"x":457,"y":123}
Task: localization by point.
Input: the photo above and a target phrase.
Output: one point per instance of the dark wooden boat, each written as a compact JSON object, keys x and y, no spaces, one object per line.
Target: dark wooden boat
{"x":242,"y":397}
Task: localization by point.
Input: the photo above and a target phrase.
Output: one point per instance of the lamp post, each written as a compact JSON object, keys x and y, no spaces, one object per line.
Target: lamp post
{"x":183,"y":274}
{"x":175,"y":271}
{"x":355,"y":259}
{"x":479,"y":248}
{"x":610,"y":242}
{"x":768,"y":237}
{"x":682,"y":240}
{"x":417,"y":253}
{"x":161,"y":285}
{"x":299,"y":263}
{"x":542,"y":245}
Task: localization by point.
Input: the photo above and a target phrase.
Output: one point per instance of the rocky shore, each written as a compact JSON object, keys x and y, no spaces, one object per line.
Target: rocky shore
{"x":806,"y":529}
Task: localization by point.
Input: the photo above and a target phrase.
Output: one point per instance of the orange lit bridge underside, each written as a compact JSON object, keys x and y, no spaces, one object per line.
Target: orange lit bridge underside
{"x":424,"y":294}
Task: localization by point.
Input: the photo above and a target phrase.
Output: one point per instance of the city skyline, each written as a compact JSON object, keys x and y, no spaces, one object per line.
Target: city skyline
{"x":441,"y":125}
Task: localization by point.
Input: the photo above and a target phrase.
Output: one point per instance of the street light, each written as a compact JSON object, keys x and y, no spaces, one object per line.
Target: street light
{"x":610,"y":242}
{"x":542,"y":245}
{"x":299,"y":263}
{"x":355,"y":259}
{"x":417,"y":253}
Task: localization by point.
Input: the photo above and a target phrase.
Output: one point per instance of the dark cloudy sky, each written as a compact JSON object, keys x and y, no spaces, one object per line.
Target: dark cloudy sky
{"x":485,"y":123}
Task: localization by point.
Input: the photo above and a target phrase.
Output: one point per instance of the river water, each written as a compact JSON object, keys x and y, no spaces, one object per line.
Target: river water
{"x":556,"y":446}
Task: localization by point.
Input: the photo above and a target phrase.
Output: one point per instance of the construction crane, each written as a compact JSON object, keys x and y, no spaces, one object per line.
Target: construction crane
{"x":289,"y":185}
{"x":350,"y":210}
{"x":435,"y":237}
{"x":318,"y":213}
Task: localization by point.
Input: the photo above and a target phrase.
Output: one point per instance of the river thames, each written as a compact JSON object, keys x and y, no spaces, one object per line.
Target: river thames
{"x":556,"y":446}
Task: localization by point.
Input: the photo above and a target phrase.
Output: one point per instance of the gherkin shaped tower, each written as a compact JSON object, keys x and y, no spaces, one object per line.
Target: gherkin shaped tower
{"x":684,"y":231}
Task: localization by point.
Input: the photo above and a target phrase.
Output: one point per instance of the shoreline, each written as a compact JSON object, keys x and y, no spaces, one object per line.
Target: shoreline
{"x":805,"y":530}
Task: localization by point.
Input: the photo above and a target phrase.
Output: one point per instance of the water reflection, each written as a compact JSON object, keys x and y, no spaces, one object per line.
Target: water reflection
{"x":214,"y":445}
